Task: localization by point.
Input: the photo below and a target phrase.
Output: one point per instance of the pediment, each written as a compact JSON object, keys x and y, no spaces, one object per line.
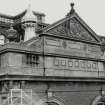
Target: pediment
{"x":73,"y":27}
{"x":34,"y":43}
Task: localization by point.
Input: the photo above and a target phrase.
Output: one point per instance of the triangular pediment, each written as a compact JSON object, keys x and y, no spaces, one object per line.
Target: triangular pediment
{"x":72,"y":27}
{"x":35,"y":44}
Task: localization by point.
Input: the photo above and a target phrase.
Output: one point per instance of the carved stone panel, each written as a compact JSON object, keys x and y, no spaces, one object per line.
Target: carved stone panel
{"x":78,"y":31}
{"x":52,"y":42}
{"x":74,"y":48}
{"x":69,"y":67}
{"x":74,"y":29}
{"x":74,"y":64}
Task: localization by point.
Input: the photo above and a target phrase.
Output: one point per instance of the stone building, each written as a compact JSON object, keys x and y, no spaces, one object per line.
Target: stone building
{"x":56,"y":64}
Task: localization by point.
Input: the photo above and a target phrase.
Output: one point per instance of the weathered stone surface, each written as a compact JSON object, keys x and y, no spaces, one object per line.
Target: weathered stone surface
{"x":64,"y":65}
{"x":72,"y":48}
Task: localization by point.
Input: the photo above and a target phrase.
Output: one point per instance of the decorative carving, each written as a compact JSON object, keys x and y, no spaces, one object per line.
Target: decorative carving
{"x":52,"y":42}
{"x":75,"y":45}
{"x":12,"y":34}
{"x":56,"y":62}
{"x":64,"y":44}
{"x":72,"y":46}
{"x":59,"y":30}
{"x":94,"y":49}
{"x":73,"y":29}
{"x":36,"y":44}
{"x":75,"y":64}
{"x":25,"y":25}
{"x":63,"y":62}
{"x":70,"y":63}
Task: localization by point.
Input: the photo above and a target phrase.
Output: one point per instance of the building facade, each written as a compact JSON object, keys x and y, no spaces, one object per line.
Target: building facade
{"x":56,"y":64}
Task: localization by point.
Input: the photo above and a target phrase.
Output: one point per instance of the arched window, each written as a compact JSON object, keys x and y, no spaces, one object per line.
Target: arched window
{"x":2,"y":39}
{"x":52,"y":103}
{"x":55,"y":101}
{"x":99,"y":100}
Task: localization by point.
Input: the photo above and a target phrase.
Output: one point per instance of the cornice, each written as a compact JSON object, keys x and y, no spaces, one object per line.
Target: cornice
{"x":53,"y":78}
{"x":69,"y":38}
{"x":32,"y":51}
{"x":18,"y":48}
{"x":73,"y":57}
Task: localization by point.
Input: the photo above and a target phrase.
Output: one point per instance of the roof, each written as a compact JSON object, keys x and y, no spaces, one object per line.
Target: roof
{"x":72,"y":26}
{"x":20,"y":15}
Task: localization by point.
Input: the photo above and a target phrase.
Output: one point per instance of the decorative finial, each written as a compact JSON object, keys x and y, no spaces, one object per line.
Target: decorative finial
{"x":72,"y":5}
{"x":12,"y":33}
{"x":29,"y":4}
{"x":29,"y":15}
{"x":72,"y":9}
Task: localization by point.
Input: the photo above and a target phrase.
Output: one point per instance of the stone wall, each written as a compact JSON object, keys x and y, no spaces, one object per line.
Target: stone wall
{"x":72,"y":48}
{"x":70,"y":67}
{"x":68,"y":93}
{"x":16,"y":63}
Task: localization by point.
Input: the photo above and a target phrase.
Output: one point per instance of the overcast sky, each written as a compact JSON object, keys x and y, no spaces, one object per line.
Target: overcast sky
{"x":91,"y":11}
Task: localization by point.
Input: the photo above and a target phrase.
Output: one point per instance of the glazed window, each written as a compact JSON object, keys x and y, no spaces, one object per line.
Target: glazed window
{"x":32,"y":59}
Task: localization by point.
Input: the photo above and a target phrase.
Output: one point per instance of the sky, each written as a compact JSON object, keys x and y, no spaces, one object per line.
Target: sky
{"x":91,"y":11}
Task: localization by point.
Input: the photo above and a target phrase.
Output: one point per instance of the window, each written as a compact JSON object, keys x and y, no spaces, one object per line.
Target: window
{"x":70,"y":63}
{"x":32,"y":60}
{"x":2,"y":39}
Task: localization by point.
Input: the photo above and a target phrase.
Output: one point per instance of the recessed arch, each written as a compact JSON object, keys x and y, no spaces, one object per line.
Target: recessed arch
{"x":52,"y":103}
{"x":55,"y":101}
{"x":99,"y":100}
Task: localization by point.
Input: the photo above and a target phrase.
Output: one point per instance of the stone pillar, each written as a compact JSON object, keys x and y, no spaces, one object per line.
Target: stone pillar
{"x":10,"y":84}
{"x":29,"y":29}
{"x":22,"y":84}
